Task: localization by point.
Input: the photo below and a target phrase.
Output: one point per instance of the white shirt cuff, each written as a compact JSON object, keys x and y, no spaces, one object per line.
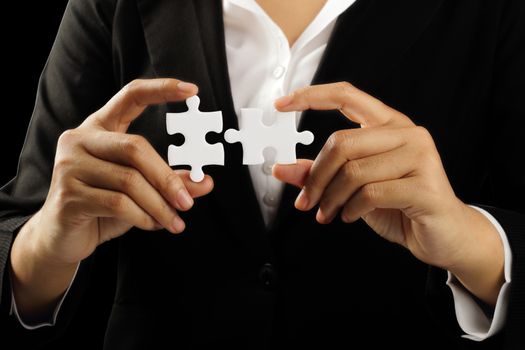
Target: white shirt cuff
{"x":52,"y":321}
{"x":471,"y":318}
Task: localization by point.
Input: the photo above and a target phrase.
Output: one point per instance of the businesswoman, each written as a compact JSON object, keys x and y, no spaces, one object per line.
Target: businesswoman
{"x":402,"y":225}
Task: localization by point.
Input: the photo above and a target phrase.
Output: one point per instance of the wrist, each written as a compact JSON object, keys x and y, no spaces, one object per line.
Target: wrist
{"x":480,"y":264}
{"x":38,"y":279}
{"x":38,"y":240}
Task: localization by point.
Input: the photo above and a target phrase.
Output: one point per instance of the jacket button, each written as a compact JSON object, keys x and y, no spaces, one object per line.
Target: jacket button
{"x":267,"y":275}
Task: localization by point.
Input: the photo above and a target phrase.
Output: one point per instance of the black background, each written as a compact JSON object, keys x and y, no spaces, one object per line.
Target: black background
{"x":25,"y":48}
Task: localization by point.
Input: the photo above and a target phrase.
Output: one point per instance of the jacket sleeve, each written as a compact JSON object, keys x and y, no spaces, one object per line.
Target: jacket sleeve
{"x":506,"y":183}
{"x":504,"y":190}
{"x":76,"y":81}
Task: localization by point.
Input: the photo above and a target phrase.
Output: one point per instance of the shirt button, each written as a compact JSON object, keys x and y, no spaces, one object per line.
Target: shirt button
{"x":278,"y":72}
{"x":267,"y":168}
{"x":267,"y":275}
{"x":270,"y":199}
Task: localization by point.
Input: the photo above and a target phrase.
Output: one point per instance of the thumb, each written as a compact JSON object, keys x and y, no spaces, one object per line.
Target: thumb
{"x":132,"y":100}
{"x":196,"y":189}
{"x":293,"y":174}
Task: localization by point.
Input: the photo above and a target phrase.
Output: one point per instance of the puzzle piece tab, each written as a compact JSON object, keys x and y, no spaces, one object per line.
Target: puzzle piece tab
{"x":195,"y":151}
{"x":282,"y":136}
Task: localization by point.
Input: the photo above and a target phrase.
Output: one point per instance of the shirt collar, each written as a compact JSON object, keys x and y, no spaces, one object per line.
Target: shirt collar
{"x":328,"y":14}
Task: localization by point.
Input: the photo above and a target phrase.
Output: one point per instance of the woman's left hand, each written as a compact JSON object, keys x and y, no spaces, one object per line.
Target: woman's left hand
{"x":389,"y":173}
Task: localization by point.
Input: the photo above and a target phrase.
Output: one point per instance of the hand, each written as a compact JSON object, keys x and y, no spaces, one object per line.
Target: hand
{"x":389,"y":173}
{"x":105,"y":181}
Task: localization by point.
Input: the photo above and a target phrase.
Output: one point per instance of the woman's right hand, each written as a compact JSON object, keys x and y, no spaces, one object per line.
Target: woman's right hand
{"x":106,"y":181}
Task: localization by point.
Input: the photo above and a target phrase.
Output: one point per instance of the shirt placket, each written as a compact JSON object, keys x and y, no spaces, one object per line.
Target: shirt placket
{"x":276,"y":76}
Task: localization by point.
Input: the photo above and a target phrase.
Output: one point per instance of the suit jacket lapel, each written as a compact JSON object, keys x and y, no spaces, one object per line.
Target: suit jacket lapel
{"x":369,"y":39}
{"x":174,"y":43}
{"x":186,"y":41}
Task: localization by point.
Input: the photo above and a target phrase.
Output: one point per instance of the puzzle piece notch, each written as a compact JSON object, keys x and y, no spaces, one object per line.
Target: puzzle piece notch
{"x":195,"y":151}
{"x":255,"y":136}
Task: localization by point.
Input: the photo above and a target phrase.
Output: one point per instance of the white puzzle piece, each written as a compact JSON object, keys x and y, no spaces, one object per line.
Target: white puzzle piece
{"x":195,"y":151}
{"x":282,"y":136}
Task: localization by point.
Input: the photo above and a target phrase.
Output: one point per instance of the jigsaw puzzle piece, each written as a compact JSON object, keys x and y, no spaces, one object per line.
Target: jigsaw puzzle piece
{"x":194,"y":125}
{"x":286,"y":137}
{"x":255,"y":137}
{"x":212,"y":155}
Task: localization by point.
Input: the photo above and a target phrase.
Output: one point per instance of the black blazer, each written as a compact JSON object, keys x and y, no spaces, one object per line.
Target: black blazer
{"x":456,"y":67}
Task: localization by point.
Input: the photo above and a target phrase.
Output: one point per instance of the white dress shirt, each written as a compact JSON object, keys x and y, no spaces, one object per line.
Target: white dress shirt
{"x":263,"y":67}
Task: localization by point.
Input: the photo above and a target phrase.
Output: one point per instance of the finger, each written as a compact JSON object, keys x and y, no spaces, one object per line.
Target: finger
{"x":355,"y":104}
{"x":357,"y":173}
{"x":135,"y":151}
{"x":196,"y":189}
{"x":293,"y":174}
{"x":341,"y":147}
{"x":110,"y":204}
{"x":396,"y":194}
{"x":105,"y":175}
{"x":131,"y":101}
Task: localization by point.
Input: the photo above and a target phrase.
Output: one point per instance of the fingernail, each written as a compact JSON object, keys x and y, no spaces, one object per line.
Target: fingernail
{"x":273,"y":169}
{"x":284,"y":101}
{"x":187,"y":87}
{"x":301,"y":202}
{"x":178,"y":225}
{"x":184,"y":199}
{"x":322,"y":218}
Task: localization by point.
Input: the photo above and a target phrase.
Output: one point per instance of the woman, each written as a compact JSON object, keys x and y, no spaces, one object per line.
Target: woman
{"x":412,"y":162}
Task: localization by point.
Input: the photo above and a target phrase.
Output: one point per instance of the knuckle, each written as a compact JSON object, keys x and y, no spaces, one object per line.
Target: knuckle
{"x":64,"y":194}
{"x":131,"y":87}
{"x":370,"y":193}
{"x":341,"y":142}
{"x":148,"y":222}
{"x":129,"y":91}
{"x":303,"y":96}
{"x":335,"y":141}
{"x":304,"y":91}
{"x":141,"y":142}
{"x":68,"y":138}
{"x":67,"y":153}
{"x":63,"y":165}
{"x":352,"y":170}
{"x":65,"y":197}
{"x":344,"y":88}
{"x":165,"y":82}
{"x":129,"y":179}
{"x":164,"y":211}
{"x":312,"y":183}
{"x":423,"y":135}
{"x":173,"y":181}
{"x":427,"y":158}
{"x":115,"y":202}
{"x":424,"y":147}
{"x":133,"y":146}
